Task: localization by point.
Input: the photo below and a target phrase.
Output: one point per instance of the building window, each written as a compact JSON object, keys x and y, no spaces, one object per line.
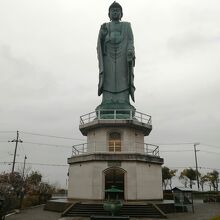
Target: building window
{"x":114,"y":142}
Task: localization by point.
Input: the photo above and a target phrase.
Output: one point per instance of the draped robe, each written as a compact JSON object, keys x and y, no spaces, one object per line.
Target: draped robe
{"x":116,"y":78}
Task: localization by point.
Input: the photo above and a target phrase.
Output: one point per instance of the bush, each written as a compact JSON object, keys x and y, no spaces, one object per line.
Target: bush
{"x":35,"y":199}
{"x":44,"y":197}
{"x":10,"y":202}
{"x":30,"y":200}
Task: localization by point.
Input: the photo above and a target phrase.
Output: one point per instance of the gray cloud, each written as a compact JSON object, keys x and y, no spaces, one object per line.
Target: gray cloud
{"x":49,"y":73}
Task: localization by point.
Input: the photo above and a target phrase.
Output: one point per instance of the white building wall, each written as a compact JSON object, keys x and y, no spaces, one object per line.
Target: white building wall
{"x":139,"y":140}
{"x":130,"y":181}
{"x":98,"y":180}
{"x":97,"y":140}
{"x":142,"y":181}
{"x":85,"y":180}
{"x":80,"y":181}
{"x":132,"y":140}
{"x":149,"y":181}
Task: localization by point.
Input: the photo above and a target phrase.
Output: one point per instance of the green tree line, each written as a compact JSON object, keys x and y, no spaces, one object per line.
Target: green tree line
{"x":188,"y":177}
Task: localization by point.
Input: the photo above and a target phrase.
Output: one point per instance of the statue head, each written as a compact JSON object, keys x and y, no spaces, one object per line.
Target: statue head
{"x":115,"y":11}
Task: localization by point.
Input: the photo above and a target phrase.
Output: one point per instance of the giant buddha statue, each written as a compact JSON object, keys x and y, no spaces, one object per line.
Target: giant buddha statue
{"x":116,"y":58}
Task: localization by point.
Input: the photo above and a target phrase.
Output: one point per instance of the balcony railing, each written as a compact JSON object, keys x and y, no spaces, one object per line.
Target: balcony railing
{"x":115,"y":114}
{"x":115,"y":147}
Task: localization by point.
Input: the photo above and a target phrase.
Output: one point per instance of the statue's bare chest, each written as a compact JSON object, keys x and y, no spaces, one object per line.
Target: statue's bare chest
{"x":115,"y":32}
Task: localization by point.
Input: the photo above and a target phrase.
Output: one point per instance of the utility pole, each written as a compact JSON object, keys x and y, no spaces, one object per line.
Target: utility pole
{"x":197,"y":173}
{"x":22,"y":191}
{"x":15,"y":152}
{"x":25,"y":158}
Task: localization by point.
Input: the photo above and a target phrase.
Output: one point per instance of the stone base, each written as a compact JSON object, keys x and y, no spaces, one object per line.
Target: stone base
{"x":142,"y":179}
{"x":133,"y":124}
{"x":115,"y":105}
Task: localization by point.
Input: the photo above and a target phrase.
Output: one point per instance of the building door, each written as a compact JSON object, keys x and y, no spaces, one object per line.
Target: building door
{"x":115,"y":177}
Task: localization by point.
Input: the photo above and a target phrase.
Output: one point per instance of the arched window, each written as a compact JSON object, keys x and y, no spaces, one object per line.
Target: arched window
{"x":114,"y":142}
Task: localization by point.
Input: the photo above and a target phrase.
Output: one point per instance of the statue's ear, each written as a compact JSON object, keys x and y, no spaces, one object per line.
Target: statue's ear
{"x":109,"y":16}
{"x":121,"y":15}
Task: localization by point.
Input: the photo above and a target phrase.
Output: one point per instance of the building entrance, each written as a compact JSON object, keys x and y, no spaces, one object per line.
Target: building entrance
{"x":115,"y":177}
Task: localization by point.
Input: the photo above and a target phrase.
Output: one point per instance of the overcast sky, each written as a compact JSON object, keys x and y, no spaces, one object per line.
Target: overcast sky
{"x":49,"y":77}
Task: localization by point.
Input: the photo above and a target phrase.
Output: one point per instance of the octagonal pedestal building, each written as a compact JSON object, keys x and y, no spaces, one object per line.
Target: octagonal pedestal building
{"x":115,"y":154}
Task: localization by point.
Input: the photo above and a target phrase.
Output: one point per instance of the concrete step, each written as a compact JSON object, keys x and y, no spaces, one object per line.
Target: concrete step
{"x":87,"y":210}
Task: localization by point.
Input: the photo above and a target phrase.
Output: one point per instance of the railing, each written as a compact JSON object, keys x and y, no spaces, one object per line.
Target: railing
{"x":115,"y":114}
{"x":115,"y":147}
{"x":79,"y":149}
{"x":151,"y":149}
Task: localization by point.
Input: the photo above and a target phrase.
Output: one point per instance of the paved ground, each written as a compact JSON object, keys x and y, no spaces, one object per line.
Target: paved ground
{"x":36,"y":213}
{"x":202,"y":212}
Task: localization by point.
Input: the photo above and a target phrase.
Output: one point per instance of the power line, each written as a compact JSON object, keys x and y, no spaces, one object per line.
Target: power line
{"x":174,"y":143}
{"x":40,"y":164}
{"x":188,"y":143}
{"x":69,"y":138}
{"x":209,"y":145}
{"x":173,"y":151}
{"x":176,"y":151}
{"x":52,"y":136}
{"x":210,"y":152}
{"x":65,"y":146}
{"x":7,"y":131}
{"x":44,"y":144}
{"x":208,"y":168}
{"x":80,"y":139}
{"x":46,"y":164}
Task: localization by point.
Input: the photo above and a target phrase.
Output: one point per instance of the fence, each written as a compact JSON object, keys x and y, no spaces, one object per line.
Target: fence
{"x":115,"y":147}
{"x":115,"y":114}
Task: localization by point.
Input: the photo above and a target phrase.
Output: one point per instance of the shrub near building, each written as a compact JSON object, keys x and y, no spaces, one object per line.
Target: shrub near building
{"x":19,"y":193}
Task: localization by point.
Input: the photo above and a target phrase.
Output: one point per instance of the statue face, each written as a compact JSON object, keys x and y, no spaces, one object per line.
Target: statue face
{"x":115,"y":14}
